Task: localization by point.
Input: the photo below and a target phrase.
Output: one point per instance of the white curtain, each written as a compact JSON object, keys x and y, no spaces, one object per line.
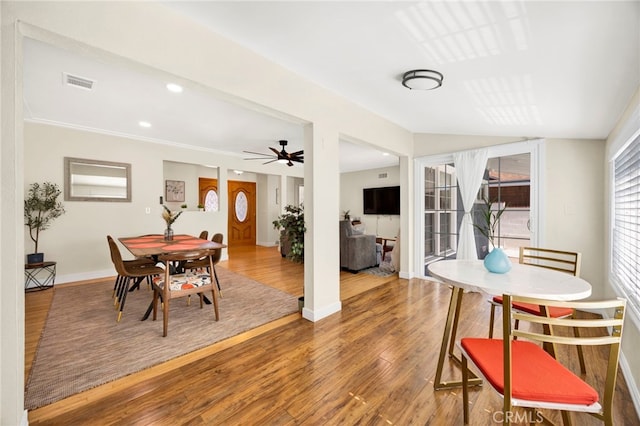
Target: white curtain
{"x":470,"y":167}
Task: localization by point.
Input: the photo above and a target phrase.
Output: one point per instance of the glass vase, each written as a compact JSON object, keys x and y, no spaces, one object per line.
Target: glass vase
{"x":168,"y":234}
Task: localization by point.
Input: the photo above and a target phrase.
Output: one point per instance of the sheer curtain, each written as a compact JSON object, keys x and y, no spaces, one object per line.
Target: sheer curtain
{"x":470,"y":167}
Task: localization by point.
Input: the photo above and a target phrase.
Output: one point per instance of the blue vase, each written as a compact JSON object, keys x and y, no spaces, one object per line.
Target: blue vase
{"x":497,"y":261}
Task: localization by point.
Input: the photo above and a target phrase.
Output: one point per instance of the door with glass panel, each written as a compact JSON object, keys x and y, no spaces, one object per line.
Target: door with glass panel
{"x":506,"y":183}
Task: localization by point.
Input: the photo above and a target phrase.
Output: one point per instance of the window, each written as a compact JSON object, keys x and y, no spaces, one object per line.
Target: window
{"x":440,"y":201}
{"x":625,"y":262}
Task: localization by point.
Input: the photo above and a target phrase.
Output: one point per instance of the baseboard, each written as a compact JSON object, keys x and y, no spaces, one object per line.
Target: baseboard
{"x":266,"y":244}
{"x":631,"y":383}
{"x":314,"y":316}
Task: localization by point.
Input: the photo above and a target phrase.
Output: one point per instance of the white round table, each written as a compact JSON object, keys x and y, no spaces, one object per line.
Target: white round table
{"x":521,"y":280}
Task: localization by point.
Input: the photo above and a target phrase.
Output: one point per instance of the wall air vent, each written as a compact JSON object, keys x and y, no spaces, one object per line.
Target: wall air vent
{"x":75,"y":81}
{"x":382,"y":175}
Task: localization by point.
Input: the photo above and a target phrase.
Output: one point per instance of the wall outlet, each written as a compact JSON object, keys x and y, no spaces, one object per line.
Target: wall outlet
{"x":147,"y":210}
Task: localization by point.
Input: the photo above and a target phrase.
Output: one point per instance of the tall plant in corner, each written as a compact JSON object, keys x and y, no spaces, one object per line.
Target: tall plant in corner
{"x":291,"y":224}
{"x":41,"y":207}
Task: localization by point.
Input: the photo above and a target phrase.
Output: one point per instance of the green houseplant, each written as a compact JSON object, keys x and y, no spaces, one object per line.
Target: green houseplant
{"x":291,"y":224}
{"x":497,"y":260}
{"x":41,"y":207}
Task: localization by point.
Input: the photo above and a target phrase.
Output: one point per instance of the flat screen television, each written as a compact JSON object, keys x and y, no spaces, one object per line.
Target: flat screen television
{"x":384,"y":200}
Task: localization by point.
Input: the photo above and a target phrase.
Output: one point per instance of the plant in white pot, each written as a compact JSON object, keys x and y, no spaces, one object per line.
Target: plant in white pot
{"x":41,"y":207}
{"x":497,"y":260}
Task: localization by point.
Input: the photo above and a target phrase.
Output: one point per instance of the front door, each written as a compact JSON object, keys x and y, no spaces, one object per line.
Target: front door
{"x":242,"y":213}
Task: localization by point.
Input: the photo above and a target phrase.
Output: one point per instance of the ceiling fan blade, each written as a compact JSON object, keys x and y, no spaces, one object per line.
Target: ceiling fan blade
{"x":275,"y":151}
{"x":297,"y":159}
{"x":297,"y":153}
{"x":258,"y":158}
{"x":257,"y":153}
{"x":289,"y":163}
{"x":270,"y":161}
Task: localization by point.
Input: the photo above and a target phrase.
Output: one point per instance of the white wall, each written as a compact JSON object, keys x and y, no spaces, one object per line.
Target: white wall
{"x":351,"y":185}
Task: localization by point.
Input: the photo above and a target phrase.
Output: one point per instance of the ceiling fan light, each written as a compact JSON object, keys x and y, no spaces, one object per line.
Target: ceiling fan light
{"x":282,"y":161}
{"x":422,"y":79}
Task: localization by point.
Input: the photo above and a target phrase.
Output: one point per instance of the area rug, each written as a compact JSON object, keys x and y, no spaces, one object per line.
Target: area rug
{"x":375,"y":270}
{"x":82,"y":346}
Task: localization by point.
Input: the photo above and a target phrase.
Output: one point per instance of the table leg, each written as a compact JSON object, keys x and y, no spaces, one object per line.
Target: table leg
{"x":448,"y":340}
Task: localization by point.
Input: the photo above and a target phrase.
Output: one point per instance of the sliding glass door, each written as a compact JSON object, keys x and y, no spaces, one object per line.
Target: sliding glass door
{"x":511,"y":180}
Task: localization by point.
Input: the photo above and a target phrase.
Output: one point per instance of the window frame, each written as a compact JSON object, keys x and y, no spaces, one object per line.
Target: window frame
{"x":627,"y":134}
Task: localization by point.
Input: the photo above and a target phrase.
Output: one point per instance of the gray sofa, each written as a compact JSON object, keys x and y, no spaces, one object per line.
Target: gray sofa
{"x":357,"y":251}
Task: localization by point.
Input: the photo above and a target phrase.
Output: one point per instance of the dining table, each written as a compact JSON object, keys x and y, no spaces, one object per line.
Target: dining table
{"x":522,"y":280}
{"x":154,"y":245}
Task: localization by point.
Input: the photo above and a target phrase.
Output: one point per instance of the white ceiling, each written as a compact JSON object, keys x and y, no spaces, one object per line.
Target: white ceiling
{"x":512,"y":68}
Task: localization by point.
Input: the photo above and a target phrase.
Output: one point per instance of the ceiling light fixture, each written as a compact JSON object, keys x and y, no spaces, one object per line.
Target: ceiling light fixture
{"x":175,"y":88}
{"x":422,"y":79}
{"x":144,"y":124}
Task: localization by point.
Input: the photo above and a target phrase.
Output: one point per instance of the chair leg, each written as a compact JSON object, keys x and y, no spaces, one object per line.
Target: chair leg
{"x":492,"y":320}
{"x":465,"y":389}
{"x":215,"y":303}
{"x":566,"y":418}
{"x":125,"y":290}
{"x":155,"y":304}
{"x":583,"y":367}
{"x":215,"y":274}
{"x":165,"y":318}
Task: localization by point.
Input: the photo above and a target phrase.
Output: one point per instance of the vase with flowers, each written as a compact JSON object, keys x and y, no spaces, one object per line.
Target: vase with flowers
{"x":169,"y":217}
{"x":497,"y":260}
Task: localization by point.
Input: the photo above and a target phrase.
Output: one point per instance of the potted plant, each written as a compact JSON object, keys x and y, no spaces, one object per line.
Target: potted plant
{"x":346,"y":215}
{"x":41,"y":207}
{"x":291,"y":224}
{"x":201,"y":207}
{"x":497,"y":260}
{"x":184,"y":207}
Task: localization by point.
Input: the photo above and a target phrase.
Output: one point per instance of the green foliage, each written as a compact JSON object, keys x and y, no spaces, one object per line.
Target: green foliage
{"x":41,"y":207}
{"x":346,"y":215}
{"x":490,"y":220}
{"x":292,"y":224}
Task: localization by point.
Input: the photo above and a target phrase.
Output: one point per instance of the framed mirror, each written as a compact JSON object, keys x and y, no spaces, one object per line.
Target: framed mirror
{"x":95,"y":180}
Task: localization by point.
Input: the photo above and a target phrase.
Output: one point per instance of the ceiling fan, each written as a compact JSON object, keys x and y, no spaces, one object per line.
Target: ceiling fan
{"x":281,"y":156}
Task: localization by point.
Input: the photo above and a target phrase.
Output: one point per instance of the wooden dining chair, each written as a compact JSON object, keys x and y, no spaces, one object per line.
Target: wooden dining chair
{"x":558,"y":260}
{"x":525,"y":375}
{"x":199,"y":264}
{"x":168,"y":286}
{"x":204,"y":235}
{"x":128,"y":270}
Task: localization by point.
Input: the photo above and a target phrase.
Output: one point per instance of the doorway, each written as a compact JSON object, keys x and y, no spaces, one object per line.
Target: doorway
{"x":242,"y":213}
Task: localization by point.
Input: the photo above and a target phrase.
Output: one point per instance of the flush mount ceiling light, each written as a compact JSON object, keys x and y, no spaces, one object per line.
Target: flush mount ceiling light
{"x":422,"y":79}
{"x":145,"y":124}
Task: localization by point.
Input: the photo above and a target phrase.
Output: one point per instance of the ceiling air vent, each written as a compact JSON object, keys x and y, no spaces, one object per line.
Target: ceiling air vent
{"x":382,"y":175}
{"x":75,"y":81}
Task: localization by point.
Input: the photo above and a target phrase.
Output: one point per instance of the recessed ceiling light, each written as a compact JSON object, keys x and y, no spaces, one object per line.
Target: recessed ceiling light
{"x":385,"y":153}
{"x":175,"y":88}
{"x":144,"y":124}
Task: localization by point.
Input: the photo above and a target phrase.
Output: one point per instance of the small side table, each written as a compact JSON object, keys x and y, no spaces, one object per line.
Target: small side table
{"x":41,"y":275}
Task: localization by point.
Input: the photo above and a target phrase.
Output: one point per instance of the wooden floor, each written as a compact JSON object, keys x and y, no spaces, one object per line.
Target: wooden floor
{"x":372,"y":363}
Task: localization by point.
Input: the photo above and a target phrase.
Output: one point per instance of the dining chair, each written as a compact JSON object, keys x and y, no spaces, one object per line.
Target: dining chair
{"x":525,"y":375}
{"x":204,"y":235}
{"x":168,"y":286}
{"x":127,"y":270}
{"x":558,"y":260}
{"x":203,"y":263}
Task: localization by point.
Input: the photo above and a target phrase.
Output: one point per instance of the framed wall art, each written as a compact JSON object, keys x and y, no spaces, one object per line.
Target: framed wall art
{"x":174,"y":190}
